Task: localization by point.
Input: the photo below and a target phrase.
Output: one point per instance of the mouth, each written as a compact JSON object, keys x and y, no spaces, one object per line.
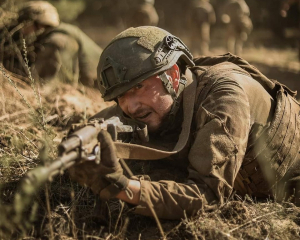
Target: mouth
{"x":143,"y":116}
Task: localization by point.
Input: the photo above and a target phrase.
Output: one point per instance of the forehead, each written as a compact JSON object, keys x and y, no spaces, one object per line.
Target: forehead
{"x":150,"y":83}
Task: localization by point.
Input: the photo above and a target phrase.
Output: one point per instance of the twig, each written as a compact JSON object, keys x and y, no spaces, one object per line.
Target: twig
{"x":174,"y":229}
{"x":32,"y":143}
{"x":72,"y":214}
{"x":85,"y":114}
{"x":119,"y":216}
{"x":49,"y":212}
{"x":189,"y":225}
{"x":109,"y":213}
{"x":10,"y":154}
{"x":109,"y":235}
{"x":156,"y":219}
{"x":3,"y":102}
{"x":251,"y":221}
{"x":93,"y":237}
{"x":123,"y":230}
{"x":14,"y":85}
{"x":8,"y":36}
{"x":37,"y":96}
{"x":57,"y":98}
{"x":50,"y":118}
{"x":68,"y":215}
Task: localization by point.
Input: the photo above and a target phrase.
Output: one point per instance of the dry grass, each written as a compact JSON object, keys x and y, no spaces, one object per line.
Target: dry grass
{"x":64,"y":210}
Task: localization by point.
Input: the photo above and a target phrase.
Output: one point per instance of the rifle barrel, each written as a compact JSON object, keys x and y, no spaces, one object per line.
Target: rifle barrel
{"x":62,"y":163}
{"x":68,"y":145}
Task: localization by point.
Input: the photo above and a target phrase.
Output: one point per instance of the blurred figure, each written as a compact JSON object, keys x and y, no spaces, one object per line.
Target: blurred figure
{"x":55,"y":50}
{"x":236,"y":15}
{"x":201,"y":17}
{"x":285,"y":6}
{"x":140,"y":13}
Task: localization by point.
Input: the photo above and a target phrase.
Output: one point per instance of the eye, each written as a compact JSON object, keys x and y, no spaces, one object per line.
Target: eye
{"x":120,"y":96}
{"x":138,"y":86}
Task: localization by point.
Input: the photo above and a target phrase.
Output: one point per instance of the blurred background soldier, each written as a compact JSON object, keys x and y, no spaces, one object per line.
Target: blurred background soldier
{"x":285,"y":7}
{"x":236,"y":15}
{"x":140,"y":13}
{"x":202,"y":15}
{"x":55,"y":50}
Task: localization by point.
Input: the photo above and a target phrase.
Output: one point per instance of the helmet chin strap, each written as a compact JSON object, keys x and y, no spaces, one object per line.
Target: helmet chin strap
{"x":170,"y":89}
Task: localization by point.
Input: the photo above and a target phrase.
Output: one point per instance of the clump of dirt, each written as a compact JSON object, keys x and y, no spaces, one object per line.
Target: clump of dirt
{"x":241,"y":219}
{"x":235,"y":212}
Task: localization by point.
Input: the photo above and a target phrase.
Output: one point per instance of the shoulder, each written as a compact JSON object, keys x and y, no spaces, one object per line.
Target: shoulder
{"x":224,"y":69}
{"x":60,"y":41}
{"x":60,"y":36}
{"x":217,"y":70}
{"x":210,"y":78}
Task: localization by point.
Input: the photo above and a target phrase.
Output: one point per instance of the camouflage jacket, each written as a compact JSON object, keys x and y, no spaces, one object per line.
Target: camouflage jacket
{"x":234,"y":117}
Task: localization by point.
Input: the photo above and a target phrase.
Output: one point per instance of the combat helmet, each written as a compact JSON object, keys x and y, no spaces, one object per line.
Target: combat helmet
{"x":41,"y":12}
{"x":137,"y":54}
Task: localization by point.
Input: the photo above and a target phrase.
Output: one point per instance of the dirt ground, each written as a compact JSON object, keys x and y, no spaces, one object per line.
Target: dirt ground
{"x":32,"y":122}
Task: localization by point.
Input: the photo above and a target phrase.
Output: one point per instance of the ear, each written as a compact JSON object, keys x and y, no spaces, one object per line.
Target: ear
{"x":174,"y":76}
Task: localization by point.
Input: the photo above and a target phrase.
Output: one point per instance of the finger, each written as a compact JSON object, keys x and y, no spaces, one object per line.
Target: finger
{"x":108,"y":149}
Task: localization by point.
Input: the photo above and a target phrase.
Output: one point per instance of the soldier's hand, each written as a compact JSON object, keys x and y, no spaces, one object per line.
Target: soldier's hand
{"x":105,"y":178}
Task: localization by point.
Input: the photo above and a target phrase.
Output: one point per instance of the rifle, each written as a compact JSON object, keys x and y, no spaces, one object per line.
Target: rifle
{"x":81,"y":144}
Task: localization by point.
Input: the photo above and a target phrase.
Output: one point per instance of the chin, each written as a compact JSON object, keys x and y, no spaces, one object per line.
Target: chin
{"x":153,"y":128}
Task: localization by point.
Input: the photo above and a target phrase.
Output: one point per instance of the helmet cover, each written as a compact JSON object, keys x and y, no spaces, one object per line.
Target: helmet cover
{"x":135,"y":55}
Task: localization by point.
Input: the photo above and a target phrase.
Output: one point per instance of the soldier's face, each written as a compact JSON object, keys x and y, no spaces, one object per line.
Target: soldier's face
{"x":148,"y":101}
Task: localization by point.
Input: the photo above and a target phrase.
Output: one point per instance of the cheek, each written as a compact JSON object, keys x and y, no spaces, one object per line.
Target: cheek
{"x":159,"y":100}
{"x":121,"y":104}
{"x":164,"y":105}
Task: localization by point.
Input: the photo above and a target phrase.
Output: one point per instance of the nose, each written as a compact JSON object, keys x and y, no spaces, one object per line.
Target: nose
{"x":129,"y":104}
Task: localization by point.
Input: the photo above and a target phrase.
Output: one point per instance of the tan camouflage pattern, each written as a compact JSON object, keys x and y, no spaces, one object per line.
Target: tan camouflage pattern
{"x":232,"y":112}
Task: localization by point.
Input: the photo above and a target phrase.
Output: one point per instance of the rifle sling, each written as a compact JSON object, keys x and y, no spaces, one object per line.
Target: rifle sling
{"x":134,"y":151}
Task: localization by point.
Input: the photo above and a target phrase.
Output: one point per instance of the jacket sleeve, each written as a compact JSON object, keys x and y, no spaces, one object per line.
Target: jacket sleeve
{"x":220,"y":140}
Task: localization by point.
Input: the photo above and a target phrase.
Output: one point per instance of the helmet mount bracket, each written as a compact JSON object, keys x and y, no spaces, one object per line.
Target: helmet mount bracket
{"x":113,"y":74}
